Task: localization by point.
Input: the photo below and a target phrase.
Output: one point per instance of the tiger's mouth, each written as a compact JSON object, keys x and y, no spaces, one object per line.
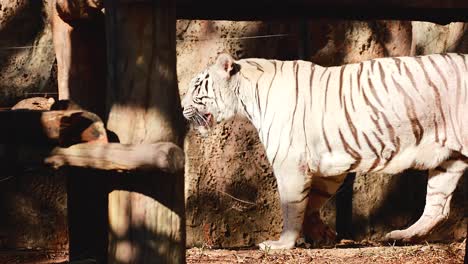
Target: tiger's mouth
{"x":205,"y":120}
{"x":198,"y":118}
{"x":203,"y":123}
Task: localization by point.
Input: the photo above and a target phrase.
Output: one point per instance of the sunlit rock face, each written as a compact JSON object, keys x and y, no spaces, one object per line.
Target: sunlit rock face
{"x":26,"y":52}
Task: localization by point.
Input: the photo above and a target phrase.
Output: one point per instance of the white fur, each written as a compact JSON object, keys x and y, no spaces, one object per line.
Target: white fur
{"x":385,"y":115}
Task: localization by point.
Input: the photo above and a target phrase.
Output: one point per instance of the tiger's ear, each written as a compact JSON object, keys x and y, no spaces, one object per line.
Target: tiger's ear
{"x":225,"y":65}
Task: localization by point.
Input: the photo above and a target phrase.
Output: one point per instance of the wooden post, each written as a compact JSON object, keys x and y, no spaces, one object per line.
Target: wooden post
{"x":466,"y":215}
{"x":146,"y":210}
{"x":80,"y":48}
{"x":466,"y":245}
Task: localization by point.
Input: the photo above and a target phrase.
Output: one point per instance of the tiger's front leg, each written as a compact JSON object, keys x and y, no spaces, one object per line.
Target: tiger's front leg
{"x":293,"y":188}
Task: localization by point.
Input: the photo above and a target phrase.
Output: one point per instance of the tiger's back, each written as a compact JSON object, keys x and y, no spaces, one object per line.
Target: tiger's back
{"x":389,"y":112}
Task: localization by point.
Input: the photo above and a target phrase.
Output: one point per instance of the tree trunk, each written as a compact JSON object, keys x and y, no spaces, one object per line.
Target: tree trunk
{"x":146,"y":210}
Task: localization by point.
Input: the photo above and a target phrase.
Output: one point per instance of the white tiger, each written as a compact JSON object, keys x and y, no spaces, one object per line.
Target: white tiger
{"x":319,"y":123}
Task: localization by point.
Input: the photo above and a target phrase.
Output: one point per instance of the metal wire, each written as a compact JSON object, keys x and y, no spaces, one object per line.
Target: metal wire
{"x":26,"y":47}
{"x":184,"y":39}
{"x":190,"y":38}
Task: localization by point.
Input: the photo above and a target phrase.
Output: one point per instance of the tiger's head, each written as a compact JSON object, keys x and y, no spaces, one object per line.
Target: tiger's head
{"x":210,"y":97}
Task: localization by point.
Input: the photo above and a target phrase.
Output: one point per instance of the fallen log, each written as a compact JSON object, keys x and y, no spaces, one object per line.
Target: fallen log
{"x":76,"y":132}
{"x":63,"y":128}
{"x":164,"y":156}
{"x":34,"y":103}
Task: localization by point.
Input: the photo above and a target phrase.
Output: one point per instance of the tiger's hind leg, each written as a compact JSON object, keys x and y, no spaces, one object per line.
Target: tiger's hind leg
{"x":314,"y":229}
{"x":441,"y":184}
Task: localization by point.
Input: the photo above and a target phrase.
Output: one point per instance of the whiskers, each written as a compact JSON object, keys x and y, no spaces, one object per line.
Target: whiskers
{"x":192,"y":114}
{"x":200,"y":120}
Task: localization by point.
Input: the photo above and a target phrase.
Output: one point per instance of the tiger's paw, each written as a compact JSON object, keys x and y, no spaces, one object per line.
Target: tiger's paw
{"x":278,"y":244}
{"x":404,"y":236}
{"x":416,"y":232}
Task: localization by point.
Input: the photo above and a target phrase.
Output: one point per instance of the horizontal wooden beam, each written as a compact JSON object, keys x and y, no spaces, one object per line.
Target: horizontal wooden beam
{"x":436,"y":11}
{"x":164,"y":156}
{"x":441,"y":12}
{"x":161,"y":156}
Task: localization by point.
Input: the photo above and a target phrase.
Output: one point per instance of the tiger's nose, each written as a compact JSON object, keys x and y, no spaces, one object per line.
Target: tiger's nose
{"x":188,"y":111}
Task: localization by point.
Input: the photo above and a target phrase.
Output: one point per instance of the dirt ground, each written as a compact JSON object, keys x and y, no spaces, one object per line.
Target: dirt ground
{"x":351,"y":254}
{"x":346,"y":252}
{"x":32,"y":257}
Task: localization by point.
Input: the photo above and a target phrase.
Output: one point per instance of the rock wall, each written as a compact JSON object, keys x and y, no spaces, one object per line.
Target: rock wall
{"x":33,"y":200}
{"x":26,"y":53}
{"x":33,"y":203}
{"x":231,"y":193}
